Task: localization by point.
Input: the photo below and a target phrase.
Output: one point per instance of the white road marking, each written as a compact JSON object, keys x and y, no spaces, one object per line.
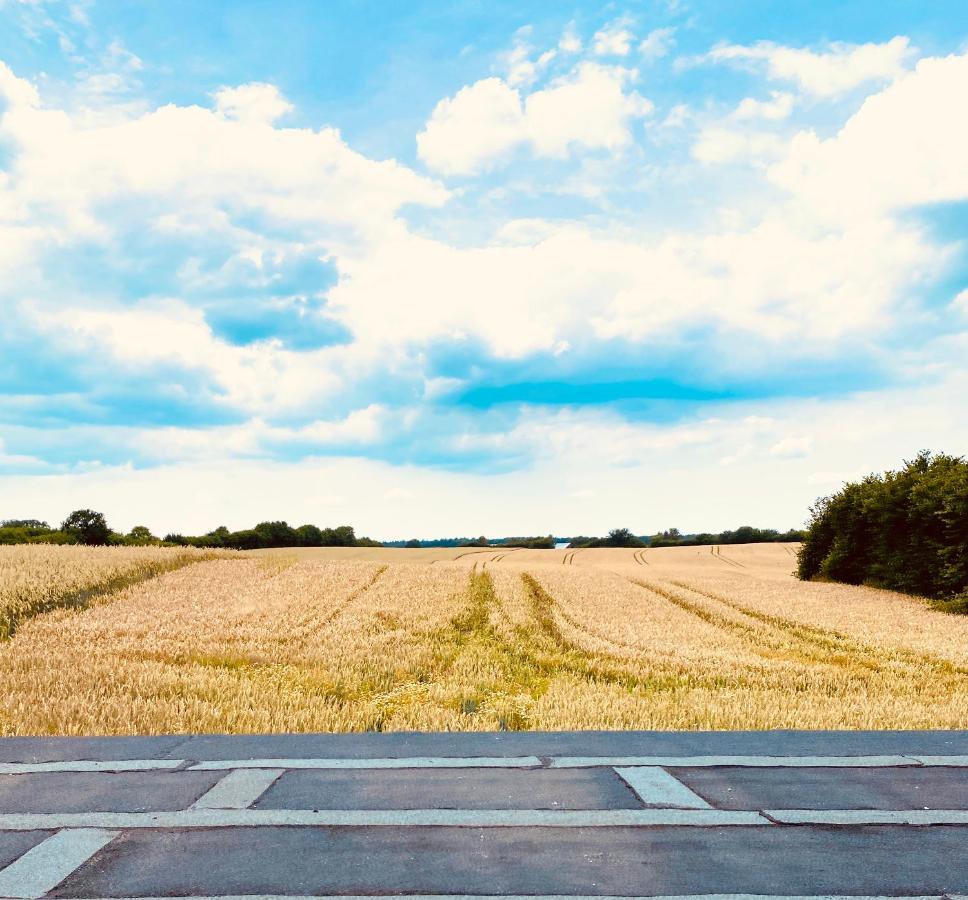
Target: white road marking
{"x":88,"y":765}
{"x":483,"y":818}
{"x":942,"y":760}
{"x":45,"y":866}
{"x":657,"y":787}
{"x":574,"y":897}
{"x":413,"y":762}
{"x":483,"y":762}
{"x":571,"y":762}
{"x":869,"y":816}
{"x":238,"y":790}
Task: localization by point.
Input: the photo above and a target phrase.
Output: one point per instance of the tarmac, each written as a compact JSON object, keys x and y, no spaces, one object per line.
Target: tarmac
{"x":509,"y":814}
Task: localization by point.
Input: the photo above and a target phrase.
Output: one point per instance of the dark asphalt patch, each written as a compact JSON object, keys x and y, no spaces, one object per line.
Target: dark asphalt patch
{"x":450,"y":789}
{"x":68,"y":792}
{"x":14,"y":844}
{"x":755,"y":860}
{"x":826,"y":788}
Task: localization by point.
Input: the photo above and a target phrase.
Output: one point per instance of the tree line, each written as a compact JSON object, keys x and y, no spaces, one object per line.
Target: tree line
{"x":672,"y":537}
{"x":544,"y":542}
{"x":905,"y":530}
{"x":86,"y":526}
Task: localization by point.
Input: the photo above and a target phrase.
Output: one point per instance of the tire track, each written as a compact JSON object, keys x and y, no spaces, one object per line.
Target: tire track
{"x":569,"y":558}
{"x":717,"y":553}
{"x":765,"y":641}
{"x":830,"y":639}
{"x":810,"y":645}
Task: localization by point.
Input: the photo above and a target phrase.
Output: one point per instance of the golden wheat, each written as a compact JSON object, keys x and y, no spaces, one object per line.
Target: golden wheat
{"x":35,"y":578}
{"x":373,"y":638}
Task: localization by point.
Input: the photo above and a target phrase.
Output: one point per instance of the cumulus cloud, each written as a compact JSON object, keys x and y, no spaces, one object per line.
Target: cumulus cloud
{"x":812,"y":261}
{"x":851,"y":436}
{"x":657,"y":43}
{"x":777,"y":108}
{"x":615,"y":39}
{"x":253,"y":102}
{"x":173,"y":337}
{"x":838,"y":69}
{"x":195,"y":158}
{"x":570,"y":41}
{"x":484,"y":123}
{"x":905,"y":146}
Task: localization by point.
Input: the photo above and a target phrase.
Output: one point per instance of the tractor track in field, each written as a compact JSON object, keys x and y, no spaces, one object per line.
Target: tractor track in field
{"x":309,"y":628}
{"x":717,"y":553}
{"x":829,"y":638}
{"x":569,"y":558}
{"x":810,"y":644}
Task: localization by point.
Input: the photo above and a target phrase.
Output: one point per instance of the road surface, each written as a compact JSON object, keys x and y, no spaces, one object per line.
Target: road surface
{"x":590,"y":814}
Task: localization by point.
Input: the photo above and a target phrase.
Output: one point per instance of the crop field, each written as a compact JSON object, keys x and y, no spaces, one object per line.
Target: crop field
{"x":146,"y":640}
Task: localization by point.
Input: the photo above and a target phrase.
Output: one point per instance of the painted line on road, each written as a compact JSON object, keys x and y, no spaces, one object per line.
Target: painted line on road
{"x":573,"y":762}
{"x":482,"y":762}
{"x":868,"y":816}
{"x":569,"y":897}
{"x":238,"y":790}
{"x":45,"y":866}
{"x":413,"y":762}
{"x":483,"y":818}
{"x":657,"y":787}
{"x":88,"y":765}
{"x":942,"y":760}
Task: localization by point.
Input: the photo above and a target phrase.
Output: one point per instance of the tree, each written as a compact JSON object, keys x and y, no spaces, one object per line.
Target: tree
{"x":622,"y":537}
{"x":141,"y":534}
{"x":276,"y":534}
{"x":310,"y":536}
{"x":87,"y":527}
{"x":249,"y":539}
{"x":905,"y":530}
{"x":343,"y":536}
{"x":413,"y":544}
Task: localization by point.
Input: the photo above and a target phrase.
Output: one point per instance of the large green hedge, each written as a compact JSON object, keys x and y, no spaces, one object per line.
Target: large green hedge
{"x":905,"y":530}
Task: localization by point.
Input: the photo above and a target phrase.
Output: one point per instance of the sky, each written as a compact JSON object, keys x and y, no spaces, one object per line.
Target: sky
{"x":459,"y":268}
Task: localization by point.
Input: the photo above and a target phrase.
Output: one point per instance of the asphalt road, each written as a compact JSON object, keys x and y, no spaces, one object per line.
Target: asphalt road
{"x":591,"y":814}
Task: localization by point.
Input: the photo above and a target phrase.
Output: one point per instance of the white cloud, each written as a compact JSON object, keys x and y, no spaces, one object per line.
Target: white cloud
{"x":836,"y":70}
{"x":257,"y":438}
{"x":657,"y":43}
{"x":485,"y":122}
{"x":18,"y":92}
{"x":197,"y":159}
{"x":473,"y":129}
{"x":589,"y":109}
{"x":253,"y":102}
{"x":792,"y":448}
{"x":162,"y":335}
{"x":722,"y":144}
{"x":777,"y":108}
{"x":570,"y":41}
{"x":781,"y":280}
{"x":521,"y":70}
{"x":905,"y":146}
{"x":675,"y":467}
{"x":960,"y":303}
{"x":615,"y":39}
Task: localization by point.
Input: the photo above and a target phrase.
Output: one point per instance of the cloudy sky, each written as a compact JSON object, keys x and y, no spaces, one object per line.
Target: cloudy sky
{"x":477,"y":267}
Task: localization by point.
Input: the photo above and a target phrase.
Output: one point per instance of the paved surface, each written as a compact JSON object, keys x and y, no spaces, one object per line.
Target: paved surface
{"x":594,"y":814}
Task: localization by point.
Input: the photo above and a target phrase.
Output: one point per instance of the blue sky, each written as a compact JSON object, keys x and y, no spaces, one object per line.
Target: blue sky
{"x":469,"y":267}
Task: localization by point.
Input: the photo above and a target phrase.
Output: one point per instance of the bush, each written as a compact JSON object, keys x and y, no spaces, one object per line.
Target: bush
{"x":905,"y":530}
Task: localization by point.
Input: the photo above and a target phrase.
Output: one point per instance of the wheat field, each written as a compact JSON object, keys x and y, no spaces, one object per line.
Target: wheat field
{"x":349,"y":639}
